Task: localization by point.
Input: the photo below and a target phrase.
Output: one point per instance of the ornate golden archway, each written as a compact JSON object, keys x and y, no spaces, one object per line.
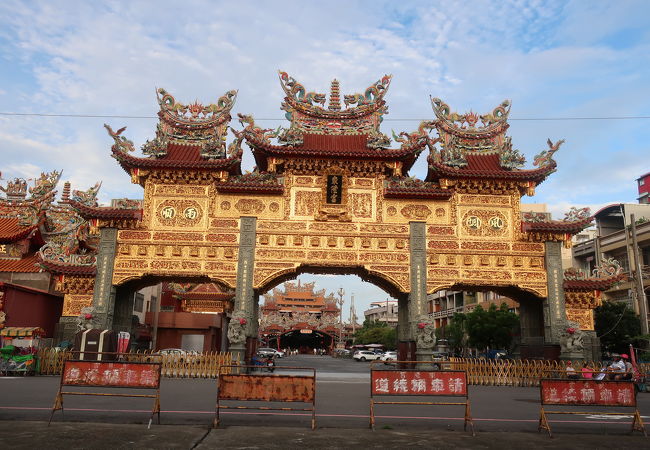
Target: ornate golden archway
{"x":330,"y":193}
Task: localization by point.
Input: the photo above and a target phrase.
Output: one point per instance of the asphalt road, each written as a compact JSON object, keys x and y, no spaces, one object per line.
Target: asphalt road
{"x":342,"y":401}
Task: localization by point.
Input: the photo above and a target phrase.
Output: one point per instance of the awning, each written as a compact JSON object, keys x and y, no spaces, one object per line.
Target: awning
{"x":22,"y":331}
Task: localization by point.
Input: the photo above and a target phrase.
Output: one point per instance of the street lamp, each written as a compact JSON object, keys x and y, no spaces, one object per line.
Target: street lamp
{"x":340,"y":303}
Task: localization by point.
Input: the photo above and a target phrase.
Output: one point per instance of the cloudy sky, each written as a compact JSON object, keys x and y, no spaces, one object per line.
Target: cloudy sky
{"x":554,"y":60}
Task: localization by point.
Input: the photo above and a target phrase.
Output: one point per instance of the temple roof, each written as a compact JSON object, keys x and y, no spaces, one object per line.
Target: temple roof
{"x":180,"y":157}
{"x":574,"y":222}
{"x":351,"y":147}
{"x":483,"y":151}
{"x":11,"y":230}
{"x":66,"y":268}
{"x":486,"y":166}
{"x":105,"y":212}
{"x":593,"y":284}
{"x":605,"y":275}
{"x":351,"y":133}
{"x":189,"y":136}
{"x":23,"y":265}
{"x":414,"y":188}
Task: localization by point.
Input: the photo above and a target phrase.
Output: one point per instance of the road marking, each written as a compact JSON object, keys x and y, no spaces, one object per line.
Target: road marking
{"x":349,"y":416}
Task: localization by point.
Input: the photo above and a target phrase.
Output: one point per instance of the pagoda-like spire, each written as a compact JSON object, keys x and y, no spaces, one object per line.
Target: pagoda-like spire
{"x":65,"y":195}
{"x":335,"y":99}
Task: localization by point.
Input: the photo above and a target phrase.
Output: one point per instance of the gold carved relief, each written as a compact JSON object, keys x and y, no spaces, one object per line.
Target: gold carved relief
{"x":179,"y":213}
{"x":361,"y":205}
{"x":484,"y":223}
{"x":249,"y":206}
{"x":417,"y":212}
{"x":306,"y":203}
{"x":304,"y":181}
{"x":176,"y":190}
{"x":72,"y":304}
{"x":584,"y":317}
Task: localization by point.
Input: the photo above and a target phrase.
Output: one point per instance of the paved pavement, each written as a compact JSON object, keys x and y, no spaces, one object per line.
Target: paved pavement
{"x":504,"y":415}
{"x":37,"y":435}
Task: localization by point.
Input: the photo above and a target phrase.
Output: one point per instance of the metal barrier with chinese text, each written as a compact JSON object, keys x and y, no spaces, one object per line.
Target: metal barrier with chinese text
{"x":587,"y":393}
{"x":114,"y":374}
{"x":417,"y":382}
{"x":266,"y":388}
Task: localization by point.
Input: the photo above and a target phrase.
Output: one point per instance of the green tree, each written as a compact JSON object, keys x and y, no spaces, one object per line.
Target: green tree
{"x":454,"y":333}
{"x":375,"y":332}
{"x":491,"y":328}
{"x":617,"y":326}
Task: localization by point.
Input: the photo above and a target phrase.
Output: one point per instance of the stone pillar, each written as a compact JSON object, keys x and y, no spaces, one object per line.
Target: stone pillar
{"x":424,"y":337}
{"x":104,"y":292}
{"x":123,"y":310}
{"x":405,"y":340}
{"x":65,"y":330}
{"x":554,"y":304}
{"x":241,"y":324}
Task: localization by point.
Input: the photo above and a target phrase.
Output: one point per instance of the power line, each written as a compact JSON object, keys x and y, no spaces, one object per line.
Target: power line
{"x":108,"y":116}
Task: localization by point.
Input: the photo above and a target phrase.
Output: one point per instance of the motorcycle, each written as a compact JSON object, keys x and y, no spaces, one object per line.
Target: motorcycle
{"x":266,"y":362}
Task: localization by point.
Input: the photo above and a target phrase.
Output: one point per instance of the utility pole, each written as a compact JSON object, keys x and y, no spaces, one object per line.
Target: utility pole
{"x":638,"y":278}
{"x":353,"y":314}
{"x":340,"y":302}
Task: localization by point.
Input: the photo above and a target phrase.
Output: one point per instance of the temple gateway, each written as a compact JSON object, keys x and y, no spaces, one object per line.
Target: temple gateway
{"x":330,"y":193}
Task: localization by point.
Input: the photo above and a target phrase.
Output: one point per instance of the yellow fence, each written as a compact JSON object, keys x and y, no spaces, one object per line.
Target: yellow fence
{"x":479,"y":371}
{"x":201,"y":365}
{"x":518,"y":372}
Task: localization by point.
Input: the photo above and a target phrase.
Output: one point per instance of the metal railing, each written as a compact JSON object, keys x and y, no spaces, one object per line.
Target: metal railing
{"x":178,"y":365}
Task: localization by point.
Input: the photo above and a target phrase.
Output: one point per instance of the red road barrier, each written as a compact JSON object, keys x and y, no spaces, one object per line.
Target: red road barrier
{"x":416,"y":382}
{"x":97,"y":374}
{"x":266,"y":388}
{"x":587,"y":393}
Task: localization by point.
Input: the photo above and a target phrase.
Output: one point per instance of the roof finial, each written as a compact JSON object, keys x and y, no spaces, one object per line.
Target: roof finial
{"x":65,"y":195}
{"x":335,"y":100}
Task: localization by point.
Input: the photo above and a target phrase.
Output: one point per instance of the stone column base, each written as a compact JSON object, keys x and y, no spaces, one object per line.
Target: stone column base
{"x":65,"y":330}
{"x":424,"y":355}
{"x":238,"y":352}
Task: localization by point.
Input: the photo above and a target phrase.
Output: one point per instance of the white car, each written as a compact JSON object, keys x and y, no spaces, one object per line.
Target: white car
{"x":266,"y":351}
{"x":389,"y":356}
{"x":365,"y":355}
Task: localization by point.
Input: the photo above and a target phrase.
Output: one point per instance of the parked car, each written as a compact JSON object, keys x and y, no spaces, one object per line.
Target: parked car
{"x":366,"y":355}
{"x":389,"y":356}
{"x":179,"y":352}
{"x":266,"y":351}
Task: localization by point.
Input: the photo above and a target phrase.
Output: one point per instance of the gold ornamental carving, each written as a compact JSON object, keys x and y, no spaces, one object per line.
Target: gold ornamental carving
{"x":416,"y":212}
{"x":72,"y":304}
{"x":584,"y":317}
{"x":361,"y":205}
{"x":179,"y":213}
{"x":467,"y":199}
{"x":250,"y":206}
{"x":583,"y":299}
{"x":484,"y":223}
{"x":306,"y":203}
{"x":181,"y":190}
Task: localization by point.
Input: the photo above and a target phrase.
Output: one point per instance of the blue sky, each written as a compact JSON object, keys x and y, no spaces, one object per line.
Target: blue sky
{"x":551,"y":59}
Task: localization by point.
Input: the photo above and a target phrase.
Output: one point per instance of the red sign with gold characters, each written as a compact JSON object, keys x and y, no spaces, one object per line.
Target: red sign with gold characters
{"x":111,"y":374}
{"x":584,"y":392}
{"x":414,"y":382}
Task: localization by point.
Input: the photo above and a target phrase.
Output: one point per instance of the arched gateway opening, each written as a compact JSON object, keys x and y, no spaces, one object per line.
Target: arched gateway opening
{"x":313,"y":313}
{"x":331,"y":192}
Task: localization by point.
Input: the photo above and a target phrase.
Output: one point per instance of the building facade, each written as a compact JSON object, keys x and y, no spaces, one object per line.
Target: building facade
{"x":383,"y":311}
{"x":614,"y":239}
{"x":643,"y":184}
{"x":299,"y":317}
